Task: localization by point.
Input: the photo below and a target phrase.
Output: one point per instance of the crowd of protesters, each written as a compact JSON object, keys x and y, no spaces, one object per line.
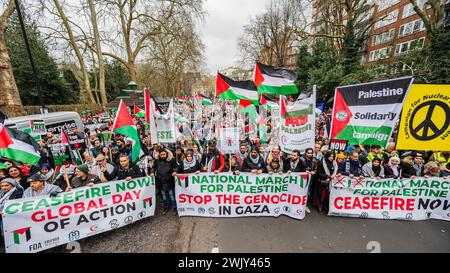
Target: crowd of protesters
{"x":102,"y":163}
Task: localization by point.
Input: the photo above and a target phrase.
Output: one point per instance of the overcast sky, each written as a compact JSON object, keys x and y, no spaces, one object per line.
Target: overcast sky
{"x":223,"y":25}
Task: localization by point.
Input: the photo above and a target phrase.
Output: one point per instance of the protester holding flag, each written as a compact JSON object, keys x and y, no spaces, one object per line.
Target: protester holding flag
{"x":213,"y":160}
{"x":164,"y":171}
{"x":275,"y":152}
{"x":254,"y":162}
{"x":67,"y":174}
{"x":38,"y":187}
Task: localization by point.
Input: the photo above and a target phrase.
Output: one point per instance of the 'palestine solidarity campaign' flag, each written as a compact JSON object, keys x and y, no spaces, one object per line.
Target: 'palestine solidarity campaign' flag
{"x":229,"y":89}
{"x":367,"y":113}
{"x":17,"y":145}
{"x":278,"y":81}
{"x":124,"y":125}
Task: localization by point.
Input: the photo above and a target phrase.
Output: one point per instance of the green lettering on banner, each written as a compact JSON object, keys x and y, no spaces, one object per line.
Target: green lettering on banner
{"x":10,"y":208}
{"x":121,"y":187}
{"x":27,"y":206}
{"x":43,"y":203}
{"x":143,"y":182}
{"x":414,"y":184}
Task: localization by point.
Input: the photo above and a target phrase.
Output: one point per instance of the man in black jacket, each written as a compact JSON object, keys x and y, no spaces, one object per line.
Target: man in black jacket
{"x":406,"y":166}
{"x":294,"y":164}
{"x":126,"y":171}
{"x":254,"y":162}
{"x":164,"y":170}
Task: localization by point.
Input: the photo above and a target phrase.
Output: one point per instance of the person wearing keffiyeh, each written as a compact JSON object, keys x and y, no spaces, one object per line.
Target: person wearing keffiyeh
{"x":254,"y":162}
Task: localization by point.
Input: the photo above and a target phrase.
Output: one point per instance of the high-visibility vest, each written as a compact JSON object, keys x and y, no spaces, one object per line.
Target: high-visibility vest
{"x":372,"y":156}
{"x":440,"y":158}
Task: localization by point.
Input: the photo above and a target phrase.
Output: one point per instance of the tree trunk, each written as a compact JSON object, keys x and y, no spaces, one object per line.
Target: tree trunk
{"x":9,"y":92}
{"x":101,"y":61}
{"x":133,"y":70}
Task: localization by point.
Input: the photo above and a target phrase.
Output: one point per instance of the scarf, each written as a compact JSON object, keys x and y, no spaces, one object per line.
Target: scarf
{"x":327,"y":165}
{"x":48,"y":176}
{"x":377,"y":170}
{"x":254,"y":160}
{"x":4,"y":196}
{"x":394,"y":168}
{"x":418,"y":168}
{"x":189,"y":164}
{"x":294,"y":164}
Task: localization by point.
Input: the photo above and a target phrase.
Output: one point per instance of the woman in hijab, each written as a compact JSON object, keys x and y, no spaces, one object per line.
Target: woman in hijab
{"x":189,"y":164}
{"x":392,"y":169}
{"x":326,"y":171}
{"x":373,"y":169}
{"x":16,"y":173}
{"x":9,"y":190}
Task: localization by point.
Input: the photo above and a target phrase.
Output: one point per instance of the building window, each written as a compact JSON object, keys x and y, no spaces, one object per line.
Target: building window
{"x":404,"y":48}
{"x":384,"y":37}
{"x":411,"y":27}
{"x":384,"y":4}
{"x":408,"y":10}
{"x":379,"y":54}
{"x":387,"y":20}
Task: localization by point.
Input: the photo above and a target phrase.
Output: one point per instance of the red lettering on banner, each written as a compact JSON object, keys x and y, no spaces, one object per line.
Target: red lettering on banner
{"x":38,"y":216}
{"x":196,"y":199}
{"x":117,"y":199}
{"x":374,"y":203}
{"x":336,"y":200}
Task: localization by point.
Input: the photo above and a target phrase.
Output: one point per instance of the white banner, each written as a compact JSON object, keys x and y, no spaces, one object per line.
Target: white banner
{"x":39,"y":223}
{"x":406,"y":199}
{"x":163,"y":126}
{"x":229,"y":140}
{"x":228,"y":195}
{"x":297,"y":125}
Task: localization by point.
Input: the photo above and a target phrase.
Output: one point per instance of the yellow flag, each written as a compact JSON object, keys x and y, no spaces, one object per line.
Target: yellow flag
{"x":425,"y":123}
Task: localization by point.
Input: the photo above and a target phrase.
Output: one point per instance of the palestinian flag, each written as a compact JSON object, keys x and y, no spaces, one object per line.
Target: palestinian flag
{"x":268,"y":104}
{"x":124,"y":125}
{"x":18,"y":146}
{"x":229,"y":89}
{"x":138,"y":111}
{"x":367,"y":113}
{"x":204,"y":100}
{"x":271,"y":80}
{"x":247,"y":107}
{"x":196,"y":141}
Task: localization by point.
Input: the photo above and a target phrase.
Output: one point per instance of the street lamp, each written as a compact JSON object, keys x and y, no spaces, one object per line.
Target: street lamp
{"x":30,"y":56}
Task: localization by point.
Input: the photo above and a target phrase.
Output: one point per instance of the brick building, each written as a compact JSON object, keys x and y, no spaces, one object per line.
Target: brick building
{"x":396,"y":28}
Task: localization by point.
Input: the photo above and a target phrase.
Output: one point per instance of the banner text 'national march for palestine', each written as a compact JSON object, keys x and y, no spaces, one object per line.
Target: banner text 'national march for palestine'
{"x":229,"y":195}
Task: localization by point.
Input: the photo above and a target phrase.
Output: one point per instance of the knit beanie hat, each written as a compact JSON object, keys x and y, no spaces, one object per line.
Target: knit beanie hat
{"x":83,"y":168}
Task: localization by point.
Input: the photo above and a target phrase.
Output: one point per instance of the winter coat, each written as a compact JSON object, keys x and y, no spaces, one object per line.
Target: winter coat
{"x":300,"y":168}
{"x":407,"y":170}
{"x":133,"y":172}
{"x":78,"y":182}
{"x":163,"y":170}
{"x":248,"y":165}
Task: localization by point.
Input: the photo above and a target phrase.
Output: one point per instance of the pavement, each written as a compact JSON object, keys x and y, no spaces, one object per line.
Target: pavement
{"x":315,"y":234}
